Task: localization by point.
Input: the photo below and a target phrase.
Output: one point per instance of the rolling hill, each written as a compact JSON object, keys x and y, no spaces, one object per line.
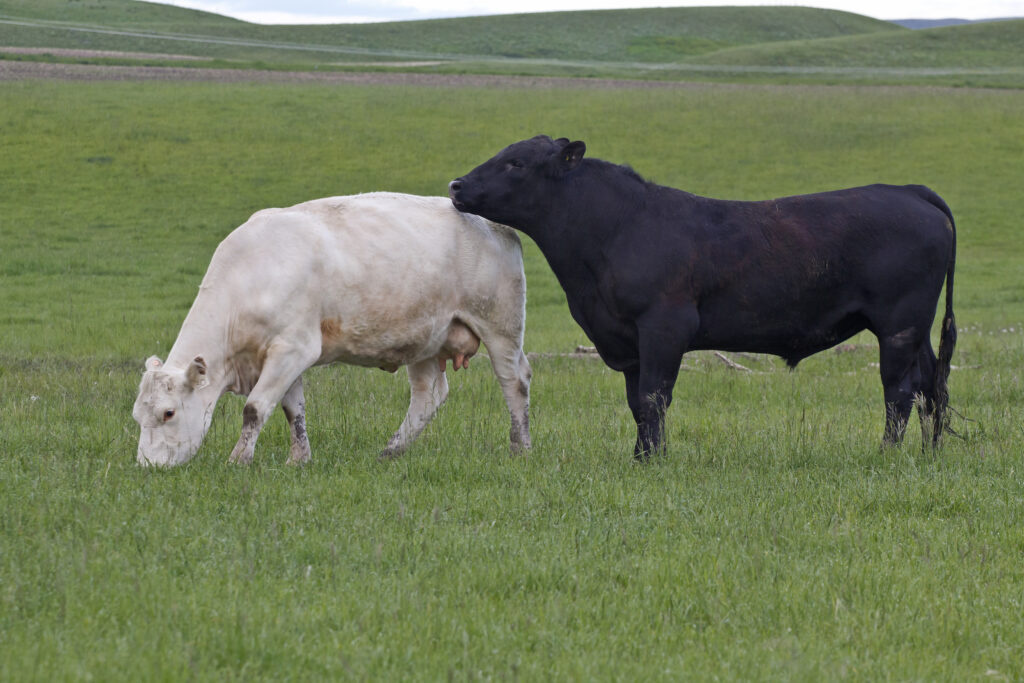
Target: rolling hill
{"x":989,"y":44}
{"x":719,"y":43}
{"x":644,"y":35}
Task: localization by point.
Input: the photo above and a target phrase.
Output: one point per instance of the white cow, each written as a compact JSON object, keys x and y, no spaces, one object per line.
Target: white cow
{"x":378,"y":280}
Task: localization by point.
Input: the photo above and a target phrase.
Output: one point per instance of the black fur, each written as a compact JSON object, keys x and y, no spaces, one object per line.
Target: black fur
{"x":651,"y":272}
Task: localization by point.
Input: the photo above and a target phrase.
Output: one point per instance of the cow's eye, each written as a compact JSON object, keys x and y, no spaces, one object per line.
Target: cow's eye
{"x":168,"y":414}
{"x":515,"y":163}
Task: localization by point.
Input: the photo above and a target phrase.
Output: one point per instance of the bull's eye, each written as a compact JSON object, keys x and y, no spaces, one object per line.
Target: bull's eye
{"x":515,"y":163}
{"x":168,"y":414}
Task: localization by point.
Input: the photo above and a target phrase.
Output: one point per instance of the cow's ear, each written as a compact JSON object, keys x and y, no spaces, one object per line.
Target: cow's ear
{"x":571,"y":155}
{"x":196,"y":374}
{"x":153,"y":363}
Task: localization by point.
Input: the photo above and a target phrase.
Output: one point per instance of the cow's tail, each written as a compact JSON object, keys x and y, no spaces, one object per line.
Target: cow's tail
{"x":947,"y":336}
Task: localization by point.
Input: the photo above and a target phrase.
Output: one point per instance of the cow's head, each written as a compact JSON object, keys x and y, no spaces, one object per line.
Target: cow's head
{"x":171,"y":413}
{"x":513,"y":185}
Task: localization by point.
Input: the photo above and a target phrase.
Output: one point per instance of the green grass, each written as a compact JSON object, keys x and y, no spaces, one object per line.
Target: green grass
{"x":773,"y":541}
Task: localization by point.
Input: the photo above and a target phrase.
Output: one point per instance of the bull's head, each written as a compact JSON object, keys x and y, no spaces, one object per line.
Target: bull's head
{"x":513,"y":185}
{"x":171,"y":413}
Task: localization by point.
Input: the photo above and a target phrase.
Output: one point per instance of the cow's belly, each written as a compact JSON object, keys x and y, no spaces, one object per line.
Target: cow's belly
{"x":386,"y":346}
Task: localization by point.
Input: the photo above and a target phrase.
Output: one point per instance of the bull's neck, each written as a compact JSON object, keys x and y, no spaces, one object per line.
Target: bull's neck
{"x":584,"y":217}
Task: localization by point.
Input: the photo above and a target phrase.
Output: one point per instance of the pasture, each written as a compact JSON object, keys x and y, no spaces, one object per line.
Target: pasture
{"x":774,"y":541}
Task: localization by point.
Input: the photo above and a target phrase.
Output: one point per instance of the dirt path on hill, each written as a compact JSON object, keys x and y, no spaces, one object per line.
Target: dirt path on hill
{"x":12,"y":70}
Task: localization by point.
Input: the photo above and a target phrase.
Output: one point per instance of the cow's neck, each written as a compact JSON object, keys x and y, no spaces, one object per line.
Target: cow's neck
{"x":203,"y":334}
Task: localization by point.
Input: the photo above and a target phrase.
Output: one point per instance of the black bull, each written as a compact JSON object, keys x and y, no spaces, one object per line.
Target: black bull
{"x":651,"y":272}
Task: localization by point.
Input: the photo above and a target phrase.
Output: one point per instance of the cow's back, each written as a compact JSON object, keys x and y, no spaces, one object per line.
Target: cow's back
{"x":378,"y":275}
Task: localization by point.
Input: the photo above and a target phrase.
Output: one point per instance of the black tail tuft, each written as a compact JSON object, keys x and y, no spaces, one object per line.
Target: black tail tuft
{"x":947,"y":336}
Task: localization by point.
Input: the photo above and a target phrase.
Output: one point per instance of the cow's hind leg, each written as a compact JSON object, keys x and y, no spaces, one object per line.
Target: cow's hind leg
{"x":901,"y":381}
{"x":428,"y":389}
{"x":283,"y":366}
{"x":294,"y":406}
{"x":514,"y":374}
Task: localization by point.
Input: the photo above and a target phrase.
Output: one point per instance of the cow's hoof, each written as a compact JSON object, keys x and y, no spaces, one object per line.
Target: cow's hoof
{"x":389,"y":454}
{"x":240,"y":459}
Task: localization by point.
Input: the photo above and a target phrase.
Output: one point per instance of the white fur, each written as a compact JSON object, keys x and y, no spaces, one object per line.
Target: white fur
{"x":379,"y":280}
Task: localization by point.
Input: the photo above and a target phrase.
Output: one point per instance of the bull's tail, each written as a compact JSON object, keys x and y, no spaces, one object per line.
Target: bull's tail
{"x":947,"y":336}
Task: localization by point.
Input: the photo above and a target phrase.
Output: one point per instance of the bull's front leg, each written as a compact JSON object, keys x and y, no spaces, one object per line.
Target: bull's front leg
{"x":664,"y":334}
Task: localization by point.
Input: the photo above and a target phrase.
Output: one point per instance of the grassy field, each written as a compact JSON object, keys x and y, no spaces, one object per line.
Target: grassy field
{"x":773,"y":541}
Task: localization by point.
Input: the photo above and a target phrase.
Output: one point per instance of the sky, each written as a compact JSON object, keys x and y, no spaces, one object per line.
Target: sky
{"x":355,"y":11}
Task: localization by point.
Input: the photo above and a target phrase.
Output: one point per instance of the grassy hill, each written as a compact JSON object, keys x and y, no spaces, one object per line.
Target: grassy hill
{"x":777,"y":44}
{"x":659,"y":35}
{"x":992,"y":44}
{"x":117,"y":13}
{"x":644,"y":35}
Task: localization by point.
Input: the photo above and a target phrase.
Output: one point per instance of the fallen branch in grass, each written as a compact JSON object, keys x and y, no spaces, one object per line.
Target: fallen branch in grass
{"x":731,"y":363}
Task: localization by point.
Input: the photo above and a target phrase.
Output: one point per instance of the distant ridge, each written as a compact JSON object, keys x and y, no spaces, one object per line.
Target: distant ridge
{"x":937,"y":23}
{"x":778,"y":44}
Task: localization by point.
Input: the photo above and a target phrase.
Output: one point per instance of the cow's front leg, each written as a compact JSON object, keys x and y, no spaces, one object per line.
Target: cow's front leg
{"x":283,"y":367}
{"x":294,"y":405}
{"x":428,"y":389}
{"x":664,"y":334}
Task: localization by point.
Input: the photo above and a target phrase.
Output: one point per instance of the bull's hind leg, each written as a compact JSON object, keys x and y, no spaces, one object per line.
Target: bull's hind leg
{"x":926,"y":392}
{"x":901,"y":381}
{"x":428,"y":389}
{"x":514,"y":374}
{"x":294,"y":406}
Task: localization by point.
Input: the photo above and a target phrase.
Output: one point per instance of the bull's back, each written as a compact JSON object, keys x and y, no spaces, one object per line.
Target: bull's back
{"x":820,"y":267}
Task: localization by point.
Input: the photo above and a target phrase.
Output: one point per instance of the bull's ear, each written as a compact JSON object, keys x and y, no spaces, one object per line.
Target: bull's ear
{"x":571,"y":155}
{"x":153,"y":363}
{"x":196,"y":374}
